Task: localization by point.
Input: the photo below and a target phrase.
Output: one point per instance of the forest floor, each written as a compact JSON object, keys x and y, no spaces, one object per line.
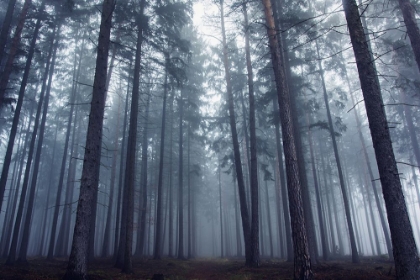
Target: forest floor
{"x":220,"y":269}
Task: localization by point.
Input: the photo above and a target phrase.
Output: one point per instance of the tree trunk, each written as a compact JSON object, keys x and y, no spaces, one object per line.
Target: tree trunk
{"x":12,"y":136}
{"x":354,"y":253}
{"x":130,"y":170}
{"x":324,"y":241}
{"x":181,"y":181}
{"x":220,"y":210}
{"x":77,"y":265}
{"x":4,"y":79}
{"x":47,"y":89}
{"x":118,"y":220}
{"x":158,"y":232}
{"x":143,"y":182}
{"x":238,"y":165}
{"x":302,"y":267}
{"x":404,"y":246}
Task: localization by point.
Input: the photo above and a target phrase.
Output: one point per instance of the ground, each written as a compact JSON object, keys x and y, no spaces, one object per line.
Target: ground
{"x":221,"y":269}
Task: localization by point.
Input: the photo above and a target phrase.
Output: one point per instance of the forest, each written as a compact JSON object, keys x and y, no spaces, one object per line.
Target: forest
{"x":209,"y":139}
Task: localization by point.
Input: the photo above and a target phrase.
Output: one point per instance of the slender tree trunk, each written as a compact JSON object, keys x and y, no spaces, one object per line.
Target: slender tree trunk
{"x":324,"y":241}
{"x":130,"y":170}
{"x":255,"y":258}
{"x":143,"y":182}
{"x":181,"y":181}
{"x":220,"y":210}
{"x":238,"y":165}
{"x":171,"y":207}
{"x":404,"y":246}
{"x":270,"y":234}
{"x":118,"y":220}
{"x":355,"y":254}
{"x":47,"y":89}
{"x":12,"y":136}
{"x":107,"y":230}
{"x":77,"y":265}
{"x":158,"y":232}
{"x":302,"y":267}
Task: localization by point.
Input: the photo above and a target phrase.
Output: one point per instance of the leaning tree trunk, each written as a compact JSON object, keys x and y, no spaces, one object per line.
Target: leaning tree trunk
{"x":7,"y":71}
{"x":47,"y":89}
{"x":404,"y":246}
{"x":238,"y":165}
{"x":77,"y":265}
{"x":12,"y":136}
{"x":302,"y":267}
{"x":409,"y":15}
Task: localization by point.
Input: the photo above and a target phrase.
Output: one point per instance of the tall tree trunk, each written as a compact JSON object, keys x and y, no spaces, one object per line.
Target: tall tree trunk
{"x":302,"y":267}
{"x":270,"y":234}
{"x":324,"y":241}
{"x":47,"y":89}
{"x":107,"y":230}
{"x":158,"y":232}
{"x":238,"y":165}
{"x":130,"y":170}
{"x":77,"y":265}
{"x":171,"y":207}
{"x":12,"y":136}
{"x":7,"y":228}
{"x":384,"y":223}
{"x":60,"y":187}
{"x":404,"y":246}
{"x":118,"y":220}
{"x":220,"y":210}
{"x":143,"y":182}
{"x":255,"y":252}
{"x":181,"y":181}
{"x":354,"y":253}
{"x":4,"y":79}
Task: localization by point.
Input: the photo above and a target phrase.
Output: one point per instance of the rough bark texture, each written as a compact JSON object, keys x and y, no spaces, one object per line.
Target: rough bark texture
{"x":4,"y":80}
{"x":302,"y":259}
{"x":77,"y":265}
{"x":404,"y":246}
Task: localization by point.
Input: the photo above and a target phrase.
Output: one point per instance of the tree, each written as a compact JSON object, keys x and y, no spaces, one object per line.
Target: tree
{"x":77,"y":265}
{"x":302,"y":269}
{"x":404,"y":247}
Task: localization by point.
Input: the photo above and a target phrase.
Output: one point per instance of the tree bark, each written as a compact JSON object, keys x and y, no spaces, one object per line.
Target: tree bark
{"x":404,"y":246}
{"x":4,"y":79}
{"x":302,"y":267}
{"x":77,"y":265}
